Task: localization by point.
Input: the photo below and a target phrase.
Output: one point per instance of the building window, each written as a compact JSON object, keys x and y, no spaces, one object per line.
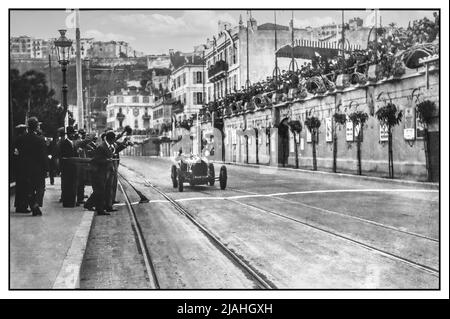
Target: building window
{"x":184,"y":98}
{"x":197,"y":98}
{"x":135,"y":99}
{"x":136,"y":124}
{"x":235,"y":82}
{"x":198,"y":78}
{"x":146,"y":99}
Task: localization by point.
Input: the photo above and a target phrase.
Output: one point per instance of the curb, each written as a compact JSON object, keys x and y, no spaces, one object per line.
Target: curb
{"x":340,"y":175}
{"x":69,"y":274}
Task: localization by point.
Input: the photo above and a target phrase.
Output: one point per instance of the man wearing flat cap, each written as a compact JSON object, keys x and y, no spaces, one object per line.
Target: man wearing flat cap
{"x":35,"y":165}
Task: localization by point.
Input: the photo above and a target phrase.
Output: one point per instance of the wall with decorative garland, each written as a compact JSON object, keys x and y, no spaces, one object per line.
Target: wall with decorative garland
{"x":409,"y":158}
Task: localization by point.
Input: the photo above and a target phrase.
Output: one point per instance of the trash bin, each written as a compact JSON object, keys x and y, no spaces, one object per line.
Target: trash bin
{"x":83,"y":169}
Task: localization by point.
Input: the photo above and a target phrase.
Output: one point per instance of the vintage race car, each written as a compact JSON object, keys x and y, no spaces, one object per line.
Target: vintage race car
{"x":196,"y":171}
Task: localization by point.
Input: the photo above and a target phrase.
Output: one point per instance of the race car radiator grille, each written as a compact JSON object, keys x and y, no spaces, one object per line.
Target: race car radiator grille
{"x":200,"y":169}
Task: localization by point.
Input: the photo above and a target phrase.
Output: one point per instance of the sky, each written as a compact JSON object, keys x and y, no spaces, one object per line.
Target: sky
{"x":157,"y":31}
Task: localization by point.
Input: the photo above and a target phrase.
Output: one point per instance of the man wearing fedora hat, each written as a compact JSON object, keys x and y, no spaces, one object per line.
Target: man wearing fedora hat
{"x":35,"y":164}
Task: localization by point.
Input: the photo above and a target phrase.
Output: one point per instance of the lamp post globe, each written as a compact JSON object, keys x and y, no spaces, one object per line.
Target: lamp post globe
{"x":63,"y":45}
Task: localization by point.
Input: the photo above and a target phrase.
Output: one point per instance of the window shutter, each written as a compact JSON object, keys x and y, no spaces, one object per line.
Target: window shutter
{"x":194,"y":97}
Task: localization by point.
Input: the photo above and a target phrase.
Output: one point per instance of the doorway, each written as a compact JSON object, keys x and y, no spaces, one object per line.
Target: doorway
{"x":283,"y":143}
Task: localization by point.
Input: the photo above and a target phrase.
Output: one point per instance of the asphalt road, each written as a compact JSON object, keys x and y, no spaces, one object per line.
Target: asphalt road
{"x":296,"y":229}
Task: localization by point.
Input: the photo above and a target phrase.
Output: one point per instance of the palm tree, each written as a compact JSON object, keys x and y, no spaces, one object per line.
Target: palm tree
{"x":339,"y":119}
{"x":389,"y":116}
{"x":313,"y":124}
{"x":296,"y":127}
{"x":359,"y":118}
{"x":425,"y":111}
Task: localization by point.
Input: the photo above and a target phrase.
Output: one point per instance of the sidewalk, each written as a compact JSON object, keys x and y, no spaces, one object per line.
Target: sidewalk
{"x":46,"y":252}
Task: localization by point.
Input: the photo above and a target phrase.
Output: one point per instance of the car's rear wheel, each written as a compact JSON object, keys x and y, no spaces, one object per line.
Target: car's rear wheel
{"x":180,"y":181}
{"x":223,"y":177}
{"x":211,"y":174}
{"x":174,"y":176}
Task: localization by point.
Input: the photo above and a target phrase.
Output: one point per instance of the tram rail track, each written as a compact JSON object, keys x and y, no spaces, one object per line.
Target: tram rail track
{"x":430,"y":270}
{"x":258,"y":279}
{"x":140,"y":240}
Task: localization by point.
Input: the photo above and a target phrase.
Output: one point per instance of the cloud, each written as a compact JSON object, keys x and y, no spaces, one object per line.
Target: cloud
{"x":313,"y":22}
{"x":190,"y":24}
{"x":101,"y":36}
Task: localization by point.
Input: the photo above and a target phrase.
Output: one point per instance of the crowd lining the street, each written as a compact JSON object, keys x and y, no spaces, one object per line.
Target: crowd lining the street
{"x":71,"y":154}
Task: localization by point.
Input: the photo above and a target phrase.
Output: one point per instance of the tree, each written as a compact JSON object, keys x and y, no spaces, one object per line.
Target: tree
{"x":339,"y":119}
{"x":389,"y":116}
{"x":359,"y":118}
{"x":426,"y":112}
{"x":313,"y":124}
{"x":30,"y":96}
{"x":296,"y":127}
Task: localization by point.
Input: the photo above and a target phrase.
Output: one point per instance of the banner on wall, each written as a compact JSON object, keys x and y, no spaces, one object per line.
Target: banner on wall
{"x":356,"y":130}
{"x":419,"y":130}
{"x":291,"y":141}
{"x":233,"y":137}
{"x":409,"y":129}
{"x":384,"y":134}
{"x":308,"y":136}
{"x":349,"y":137}
{"x":328,"y":129}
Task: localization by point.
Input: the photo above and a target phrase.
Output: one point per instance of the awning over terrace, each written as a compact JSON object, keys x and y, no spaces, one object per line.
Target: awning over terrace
{"x":306,"y":49}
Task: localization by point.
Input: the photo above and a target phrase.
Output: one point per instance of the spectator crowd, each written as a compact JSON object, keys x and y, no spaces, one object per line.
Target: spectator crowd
{"x":79,"y":159}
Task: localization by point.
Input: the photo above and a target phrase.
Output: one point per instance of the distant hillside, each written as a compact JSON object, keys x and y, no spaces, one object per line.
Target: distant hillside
{"x":106,"y":75}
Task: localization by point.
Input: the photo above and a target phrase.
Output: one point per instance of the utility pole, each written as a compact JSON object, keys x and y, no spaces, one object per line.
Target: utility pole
{"x":247,"y":82}
{"x":50,"y":69}
{"x":276,"y":70}
{"x":79,"y":71}
{"x":88,"y":95}
{"x":292,"y":42}
{"x":343,"y":39}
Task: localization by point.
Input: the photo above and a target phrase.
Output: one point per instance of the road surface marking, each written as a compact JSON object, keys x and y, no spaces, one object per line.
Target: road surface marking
{"x":382,"y":190}
{"x":430,"y":270}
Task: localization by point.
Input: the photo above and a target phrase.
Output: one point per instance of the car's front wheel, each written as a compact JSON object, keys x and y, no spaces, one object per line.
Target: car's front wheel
{"x":223,"y":177}
{"x":174,"y":176}
{"x":180,"y":181}
{"x":211,"y":174}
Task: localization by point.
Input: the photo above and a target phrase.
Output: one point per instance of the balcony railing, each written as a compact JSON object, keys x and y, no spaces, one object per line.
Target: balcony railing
{"x":218,"y":69}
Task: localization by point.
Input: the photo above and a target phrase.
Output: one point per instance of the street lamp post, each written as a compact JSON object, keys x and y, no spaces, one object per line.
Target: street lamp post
{"x":63,"y":46}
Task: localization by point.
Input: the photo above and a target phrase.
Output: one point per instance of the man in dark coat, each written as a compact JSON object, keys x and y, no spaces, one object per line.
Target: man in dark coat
{"x":112,"y":183}
{"x":102,"y":168}
{"x":80,"y":145}
{"x":67,"y":150}
{"x":52,"y":157}
{"x":21,"y":195}
{"x":35,"y":165}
